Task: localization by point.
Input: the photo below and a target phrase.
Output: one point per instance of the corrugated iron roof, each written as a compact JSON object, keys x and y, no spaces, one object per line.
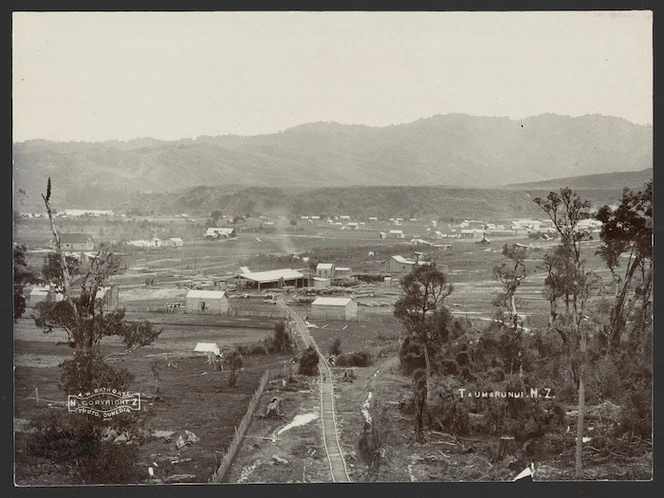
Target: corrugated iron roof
{"x":332,"y":301}
{"x":272,"y":275}
{"x":74,"y":238}
{"x":205,"y":294}
{"x":400,"y":259}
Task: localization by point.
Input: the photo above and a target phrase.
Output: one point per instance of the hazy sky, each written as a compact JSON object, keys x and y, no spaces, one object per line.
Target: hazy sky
{"x":98,"y":76}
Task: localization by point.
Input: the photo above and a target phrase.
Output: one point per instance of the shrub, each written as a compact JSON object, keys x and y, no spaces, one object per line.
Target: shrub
{"x":386,"y":336}
{"x":354,"y":359}
{"x":309,"y":362}
{"x":281,"y":340}
{"x":257,"y":349}
{"x":335,"y":347}
{"x":75,"y":442}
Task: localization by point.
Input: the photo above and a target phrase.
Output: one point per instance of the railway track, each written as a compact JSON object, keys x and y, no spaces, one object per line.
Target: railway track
{"x":335,"y":457}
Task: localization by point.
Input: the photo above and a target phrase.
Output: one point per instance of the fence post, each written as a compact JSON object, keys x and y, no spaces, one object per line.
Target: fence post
{"x":239,"y":434}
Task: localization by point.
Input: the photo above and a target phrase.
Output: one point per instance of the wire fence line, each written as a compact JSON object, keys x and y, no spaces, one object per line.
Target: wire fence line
{"x":240,"y":430}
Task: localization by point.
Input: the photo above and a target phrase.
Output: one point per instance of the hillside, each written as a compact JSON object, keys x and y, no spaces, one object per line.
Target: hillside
{"x":384,"y":202}
{"x":452,"y":150}
{"x":604,"y":181}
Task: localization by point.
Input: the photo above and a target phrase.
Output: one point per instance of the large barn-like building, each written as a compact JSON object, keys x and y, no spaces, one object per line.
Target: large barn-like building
{"x":333,"y":308}
{"x":273,"y":279}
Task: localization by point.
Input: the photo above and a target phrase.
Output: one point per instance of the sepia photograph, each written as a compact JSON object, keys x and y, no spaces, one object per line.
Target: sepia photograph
{"x":304,"y":247}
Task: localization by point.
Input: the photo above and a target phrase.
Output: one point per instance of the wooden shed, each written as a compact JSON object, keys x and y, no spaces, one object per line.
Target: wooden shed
{"x":207,"y":301}
{"x":333,"y":308}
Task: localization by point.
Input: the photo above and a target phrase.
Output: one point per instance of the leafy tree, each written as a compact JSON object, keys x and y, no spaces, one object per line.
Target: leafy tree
{"x":511,"y":273}
{"x":566,"y":209}
{"x":628,"y":230}
{"x":335,"y":347}
{"x":559,"y":279}
{"x":422,"y":313}
{"x":281,"y":339}
{"x":216,"y":216}
{"x":52,"y":270}
{"x":22,"y":276}
{"x":309,"y":362}
{"x":235,"y":364}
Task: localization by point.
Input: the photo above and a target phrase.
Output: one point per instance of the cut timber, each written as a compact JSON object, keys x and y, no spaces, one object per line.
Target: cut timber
{"x":507,"y":447}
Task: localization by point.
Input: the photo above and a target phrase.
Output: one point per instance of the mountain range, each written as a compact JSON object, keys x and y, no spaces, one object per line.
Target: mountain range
{"x":453,"y":150}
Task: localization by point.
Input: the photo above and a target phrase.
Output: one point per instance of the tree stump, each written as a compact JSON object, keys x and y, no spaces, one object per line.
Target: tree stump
{"x":273,"y":409}
{"x":507,"y":447}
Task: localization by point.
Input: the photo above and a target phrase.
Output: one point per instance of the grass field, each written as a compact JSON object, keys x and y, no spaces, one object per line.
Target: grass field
{"x":195,"y":397}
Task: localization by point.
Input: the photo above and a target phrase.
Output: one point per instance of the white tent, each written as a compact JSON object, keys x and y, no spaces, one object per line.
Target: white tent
{"x":204,"y":347}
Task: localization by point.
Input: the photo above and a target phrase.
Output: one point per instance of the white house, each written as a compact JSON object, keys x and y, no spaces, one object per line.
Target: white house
{"x":526,"y":224}
{"x":221,"y":233}
{"x":590,"y":225}
{"x":468,"y":233}
{"x":333,"y":308}
{"x":207,"y":301}
{"x":325,"y":270}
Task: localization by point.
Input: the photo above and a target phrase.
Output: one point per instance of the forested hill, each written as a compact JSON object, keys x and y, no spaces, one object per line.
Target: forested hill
{"x":607,"y":181}
{"x":384,"y":202}
{"x":449,"y":150}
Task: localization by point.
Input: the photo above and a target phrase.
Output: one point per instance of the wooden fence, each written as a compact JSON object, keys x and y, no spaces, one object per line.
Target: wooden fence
{"x":375,"y":318}
{"x":199,"y":242}
{"x":378,"y":351}
{"x":227,"y":459}
{"x":273,"y":313}
{"x":150,"y":309}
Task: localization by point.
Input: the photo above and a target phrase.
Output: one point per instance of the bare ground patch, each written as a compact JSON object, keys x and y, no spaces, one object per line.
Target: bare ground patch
{"x":301,"y":445}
